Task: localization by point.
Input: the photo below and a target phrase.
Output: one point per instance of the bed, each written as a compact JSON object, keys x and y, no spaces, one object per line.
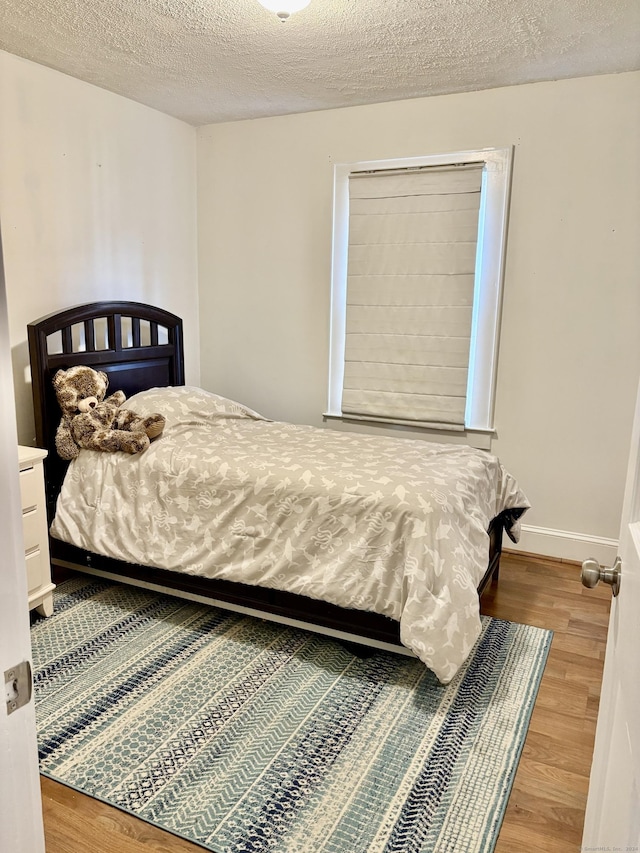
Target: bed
{"x":322,"y":560}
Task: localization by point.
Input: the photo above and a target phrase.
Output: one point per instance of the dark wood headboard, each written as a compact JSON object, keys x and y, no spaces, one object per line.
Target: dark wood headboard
{"x":138,"y":346}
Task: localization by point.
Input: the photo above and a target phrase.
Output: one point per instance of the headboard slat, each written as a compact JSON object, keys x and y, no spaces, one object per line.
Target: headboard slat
{"x":67,"y":339}
{"x":115,"y":333}
{"x":89,"y":336}
{"x":135,"y":331}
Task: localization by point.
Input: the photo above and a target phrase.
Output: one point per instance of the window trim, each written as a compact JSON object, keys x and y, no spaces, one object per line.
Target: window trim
{"x":490,"y":259}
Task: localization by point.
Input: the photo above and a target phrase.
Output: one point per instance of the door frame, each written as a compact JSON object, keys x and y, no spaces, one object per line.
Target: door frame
{"x":21,"y":824}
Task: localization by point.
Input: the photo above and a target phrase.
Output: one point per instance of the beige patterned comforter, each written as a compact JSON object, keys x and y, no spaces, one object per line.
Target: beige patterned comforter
{"x":396,"y":526}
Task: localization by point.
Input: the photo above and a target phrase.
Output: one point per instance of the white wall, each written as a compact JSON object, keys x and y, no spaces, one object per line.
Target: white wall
{"x":570,"y":351}
{"x":97,"y":201}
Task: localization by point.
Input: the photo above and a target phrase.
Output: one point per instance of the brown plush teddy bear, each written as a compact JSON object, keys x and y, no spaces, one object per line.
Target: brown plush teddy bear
{"x":90,"y":421}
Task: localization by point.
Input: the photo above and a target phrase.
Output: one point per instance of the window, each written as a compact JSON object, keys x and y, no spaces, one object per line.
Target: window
{"x":416,"y":289}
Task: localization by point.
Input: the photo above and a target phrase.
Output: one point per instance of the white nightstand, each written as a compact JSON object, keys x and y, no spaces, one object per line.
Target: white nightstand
{"x":36,"y":533}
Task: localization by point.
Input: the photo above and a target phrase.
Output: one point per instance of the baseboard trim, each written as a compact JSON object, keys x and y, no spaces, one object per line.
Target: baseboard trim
{"x":564,"y":545}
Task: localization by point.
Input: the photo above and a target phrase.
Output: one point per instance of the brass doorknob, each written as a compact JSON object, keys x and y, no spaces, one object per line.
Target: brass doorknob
{"x":593,"y":572}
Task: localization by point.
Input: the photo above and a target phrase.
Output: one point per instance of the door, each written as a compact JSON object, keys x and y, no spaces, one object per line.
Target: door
{"x":20,"y":804}
{"x":612,"y":820}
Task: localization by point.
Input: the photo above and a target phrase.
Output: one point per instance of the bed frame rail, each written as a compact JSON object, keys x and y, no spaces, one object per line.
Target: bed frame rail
{"x":359,"y":627}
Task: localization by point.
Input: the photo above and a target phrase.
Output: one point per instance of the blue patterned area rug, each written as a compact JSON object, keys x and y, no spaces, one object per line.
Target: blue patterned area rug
{"x":241,"y":735}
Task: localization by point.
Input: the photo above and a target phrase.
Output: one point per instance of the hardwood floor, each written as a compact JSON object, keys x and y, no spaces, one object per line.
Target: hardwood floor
{"x":546,"y":807}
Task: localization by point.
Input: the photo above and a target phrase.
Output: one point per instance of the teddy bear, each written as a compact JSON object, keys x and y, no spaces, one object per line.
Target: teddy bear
{"x":90,"y":421}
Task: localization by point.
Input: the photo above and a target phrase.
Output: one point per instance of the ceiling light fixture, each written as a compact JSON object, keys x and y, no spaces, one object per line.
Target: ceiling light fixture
{"x":284,"y":8}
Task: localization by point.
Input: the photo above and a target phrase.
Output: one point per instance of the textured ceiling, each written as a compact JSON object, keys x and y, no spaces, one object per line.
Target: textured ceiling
{"x":207,"y":61}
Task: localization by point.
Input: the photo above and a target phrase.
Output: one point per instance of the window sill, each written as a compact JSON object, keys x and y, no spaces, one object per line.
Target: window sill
{"x":479,"y":438}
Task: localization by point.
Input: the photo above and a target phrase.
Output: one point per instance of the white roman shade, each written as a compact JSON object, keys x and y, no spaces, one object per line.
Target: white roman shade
{"x":410,"y":293}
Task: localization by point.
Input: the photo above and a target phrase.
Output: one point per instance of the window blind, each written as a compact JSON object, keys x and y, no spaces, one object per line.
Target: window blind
{"x":410,"y":281}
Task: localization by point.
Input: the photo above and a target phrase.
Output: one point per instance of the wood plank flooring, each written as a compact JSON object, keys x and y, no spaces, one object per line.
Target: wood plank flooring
{"x":546,"y":808}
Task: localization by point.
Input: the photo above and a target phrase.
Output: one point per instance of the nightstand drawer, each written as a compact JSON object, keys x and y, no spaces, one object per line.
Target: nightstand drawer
{"x":30,"y":488}
{"x":32,"y":529}
{"x":37,"y":570}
